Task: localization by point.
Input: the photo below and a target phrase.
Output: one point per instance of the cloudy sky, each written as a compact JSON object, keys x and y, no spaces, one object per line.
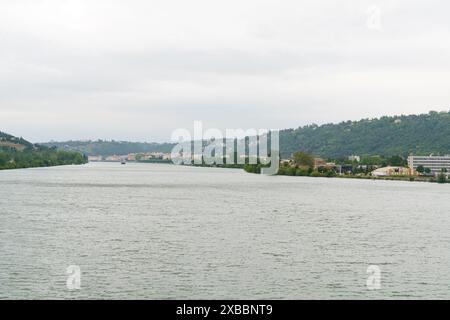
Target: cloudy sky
{"x":137,"y":70}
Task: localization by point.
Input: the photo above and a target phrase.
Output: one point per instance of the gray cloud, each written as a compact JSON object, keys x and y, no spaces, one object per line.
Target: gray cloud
{"x":139,"y":69}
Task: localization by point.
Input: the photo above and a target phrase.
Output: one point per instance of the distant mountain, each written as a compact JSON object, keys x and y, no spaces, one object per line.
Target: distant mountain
{"x":107,"y":148}
{"x":386,"y":136}
{"x":17,"y":153}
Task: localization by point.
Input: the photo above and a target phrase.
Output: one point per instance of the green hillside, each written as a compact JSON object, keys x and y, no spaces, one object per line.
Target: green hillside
{"x":386,"y":136}
{"x":107,"y":148}
{"x":17,"y":153}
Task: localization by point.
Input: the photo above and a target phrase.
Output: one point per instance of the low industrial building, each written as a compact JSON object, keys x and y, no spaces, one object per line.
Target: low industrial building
{"x":392,"y":171}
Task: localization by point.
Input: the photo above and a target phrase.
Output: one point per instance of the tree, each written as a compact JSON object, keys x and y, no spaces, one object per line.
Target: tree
{"x":291,"y":171}
{"x":442,"y":178}
{"x":420,"y":169}
{"x":35,"y":155}
{"x":303,"y":159}
{"x":301,"y":172}
{"x":410,"y":135}
{"x":330,"y":173}
{"x":396,"y":161}
{"x":427,"y":170}
{"x":373,"y":160}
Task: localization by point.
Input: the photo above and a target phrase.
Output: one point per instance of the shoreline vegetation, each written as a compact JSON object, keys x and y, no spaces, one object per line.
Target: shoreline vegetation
{"x":17,"y":153}
{"x":13,"y":159}
{"x":162,"y":161}
{"x":305,"y":165}
{"x":348,"y":149}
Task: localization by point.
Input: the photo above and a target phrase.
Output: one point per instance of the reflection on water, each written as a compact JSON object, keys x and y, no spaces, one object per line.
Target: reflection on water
{"x":160,"y":231}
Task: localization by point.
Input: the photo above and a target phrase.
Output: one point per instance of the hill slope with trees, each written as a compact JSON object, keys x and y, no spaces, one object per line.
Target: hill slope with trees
{"x":387,"y":136}
{"x":17,"y":153}
{"x":107,"y":148}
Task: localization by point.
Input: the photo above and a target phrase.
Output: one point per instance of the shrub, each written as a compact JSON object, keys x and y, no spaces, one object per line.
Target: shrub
{"x":316,"y":174}
{"x":302,"y":172}
{"x":442,"y":178}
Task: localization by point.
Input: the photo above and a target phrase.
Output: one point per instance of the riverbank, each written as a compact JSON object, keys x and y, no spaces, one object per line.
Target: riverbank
{"x":293,"y":172}
{"x":302,"y":172}
{"x":39,"y":157}
{"x":18,"y":153}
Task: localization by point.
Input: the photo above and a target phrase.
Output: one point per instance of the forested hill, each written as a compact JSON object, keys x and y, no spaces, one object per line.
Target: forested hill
{"x":107,"y":148}
{"x":386,"y":136}
{"x":9,"y":140}
{"x":16,"y":153}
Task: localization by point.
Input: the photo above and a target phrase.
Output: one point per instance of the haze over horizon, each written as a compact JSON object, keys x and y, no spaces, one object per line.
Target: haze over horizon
{"x":135,"y":71}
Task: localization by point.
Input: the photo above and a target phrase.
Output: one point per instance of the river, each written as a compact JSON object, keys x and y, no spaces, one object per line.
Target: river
{"x":156,"y":231}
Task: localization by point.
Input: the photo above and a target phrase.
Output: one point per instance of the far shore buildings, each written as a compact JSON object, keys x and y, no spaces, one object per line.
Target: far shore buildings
{"x":95,"y":158}
{"x":320,"y":163}
{"x":392,"y":171}
{"x":435,"y":163}
{"x":354,"y":158}
{"x":132,"y":157}
{"x":114,"y":158}
{"x":150,"y":156}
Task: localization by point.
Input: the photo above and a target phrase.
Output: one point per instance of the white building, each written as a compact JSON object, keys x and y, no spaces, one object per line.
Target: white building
{"x":95,"y":158}
{"x":435,"y":163}
{"x":354,"y":158}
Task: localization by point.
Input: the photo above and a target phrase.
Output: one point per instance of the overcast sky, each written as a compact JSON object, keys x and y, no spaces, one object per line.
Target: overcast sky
{"x":137,"y":70}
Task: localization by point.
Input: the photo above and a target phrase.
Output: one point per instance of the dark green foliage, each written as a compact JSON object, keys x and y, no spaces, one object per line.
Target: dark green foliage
{"x":107,"y":148}
{"x":34,"y":155}
{"x":302,"y":172}
{"x":387,"y":136}
{"x":442,"y":178}
{"x":397,"y":161}
{"x":303,"y":159}
{"x":330,"y":173}
{"x":291,"y":171}
{"x":253,"y":168}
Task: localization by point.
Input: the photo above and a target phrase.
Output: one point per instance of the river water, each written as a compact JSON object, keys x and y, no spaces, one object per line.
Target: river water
{"x":155,"y":231}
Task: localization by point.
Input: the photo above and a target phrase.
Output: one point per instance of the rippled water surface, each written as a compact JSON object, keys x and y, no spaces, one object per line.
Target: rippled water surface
{"x":161,"y":231}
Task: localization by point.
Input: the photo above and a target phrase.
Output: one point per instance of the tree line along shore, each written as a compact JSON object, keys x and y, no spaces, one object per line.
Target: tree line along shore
{"x":17,"y":153}
{"x":304,"y":164}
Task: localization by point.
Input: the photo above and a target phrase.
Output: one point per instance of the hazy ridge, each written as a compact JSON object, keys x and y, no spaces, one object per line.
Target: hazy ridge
{"x":387,"y":136}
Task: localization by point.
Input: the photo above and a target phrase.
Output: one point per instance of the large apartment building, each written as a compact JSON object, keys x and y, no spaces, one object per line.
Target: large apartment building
{"x":435,"y":163}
